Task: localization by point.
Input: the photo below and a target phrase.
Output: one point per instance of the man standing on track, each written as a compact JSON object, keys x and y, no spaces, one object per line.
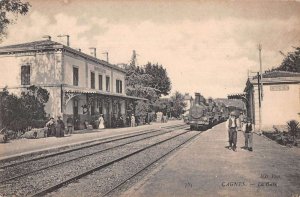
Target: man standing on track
{"x":231,"y":126}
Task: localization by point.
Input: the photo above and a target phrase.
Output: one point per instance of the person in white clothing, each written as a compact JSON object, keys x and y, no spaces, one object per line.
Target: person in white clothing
{"x":101,"y":122}
{"x":132,"y":120}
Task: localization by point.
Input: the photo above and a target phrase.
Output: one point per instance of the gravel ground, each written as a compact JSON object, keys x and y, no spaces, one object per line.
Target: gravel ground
{"x":66,"y":148}
{"x":102,"y":181}
{"x":49,"y":152}
{"x":34,"y":182}
{"x":34,"y":165}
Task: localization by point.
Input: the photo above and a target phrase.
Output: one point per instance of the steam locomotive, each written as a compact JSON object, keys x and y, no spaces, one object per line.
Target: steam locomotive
{"x":204,"y":115}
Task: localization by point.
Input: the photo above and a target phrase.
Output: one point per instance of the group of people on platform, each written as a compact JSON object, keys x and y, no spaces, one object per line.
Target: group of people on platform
{"x":236,"y":123}
{"x":57,"y":128}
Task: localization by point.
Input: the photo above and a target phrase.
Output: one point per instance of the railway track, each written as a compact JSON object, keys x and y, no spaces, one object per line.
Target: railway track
{"x":9,"y":163}
{"x":147,"y":166}
{"x":13,"y":167}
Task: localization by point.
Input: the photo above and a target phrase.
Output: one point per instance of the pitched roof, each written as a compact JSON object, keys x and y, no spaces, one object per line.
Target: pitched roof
{"x":51,"y":45}
{"x":29,"y":45}
{"x":274,"y":77}
{"x":275,"y":74}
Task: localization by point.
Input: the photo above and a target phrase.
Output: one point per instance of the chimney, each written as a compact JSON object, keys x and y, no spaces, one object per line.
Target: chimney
{"x":197,"y":98}
{"x":47,"y":36}
{"x":94,"y":52}
{"x":68,"y":38}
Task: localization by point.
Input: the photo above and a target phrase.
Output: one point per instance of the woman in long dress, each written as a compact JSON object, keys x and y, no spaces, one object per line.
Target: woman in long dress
{"x":60,"y":127}
{"x":101,"y":122}
{"x":51,"y":127}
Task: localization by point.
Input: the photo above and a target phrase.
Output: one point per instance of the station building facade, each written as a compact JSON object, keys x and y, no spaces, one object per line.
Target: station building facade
{"x":81,"y":86}
{"x":273,"y":101}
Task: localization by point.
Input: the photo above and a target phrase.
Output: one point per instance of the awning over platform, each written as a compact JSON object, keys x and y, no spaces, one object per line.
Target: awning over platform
{"x":237,"y":96}
{"x":89,"y":91}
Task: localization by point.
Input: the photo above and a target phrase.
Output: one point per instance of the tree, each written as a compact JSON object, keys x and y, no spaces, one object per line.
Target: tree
{"x":293,"y":128}
{"x":177,"y":104}
{"x":34,"y":100}
{"x":291,"y":62}
{"x":162,"y":105}
{"x":137,"y":84}
{"x":161,"y":82}
{"x":9,"y":11}
{"x":17,"y":113}
{"x":11,"y":109}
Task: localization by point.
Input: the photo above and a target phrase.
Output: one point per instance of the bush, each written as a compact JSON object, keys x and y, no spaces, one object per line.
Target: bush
{"x":38,"y":123}
{"x":293,"y":127}
{"x":19,"y":113}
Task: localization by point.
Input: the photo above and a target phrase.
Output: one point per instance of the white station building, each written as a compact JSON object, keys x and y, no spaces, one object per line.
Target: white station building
{"x":80,"y":85}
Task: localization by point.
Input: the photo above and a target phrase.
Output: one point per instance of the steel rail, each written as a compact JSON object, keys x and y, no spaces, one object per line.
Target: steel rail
{"x":101,"y":141}
{"x":171,"y":126}
{"x":83,"y":156}
{"x":80,"y":157}
{"x":147,"y":166}
{"x":69,"y":180}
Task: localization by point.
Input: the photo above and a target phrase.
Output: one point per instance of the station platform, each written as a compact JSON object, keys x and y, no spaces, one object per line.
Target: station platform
{"x":20,"y":147}
{"x":205,"y":167}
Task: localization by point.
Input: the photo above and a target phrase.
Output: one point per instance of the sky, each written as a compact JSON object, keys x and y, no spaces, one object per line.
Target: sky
{"x":206,"y":46}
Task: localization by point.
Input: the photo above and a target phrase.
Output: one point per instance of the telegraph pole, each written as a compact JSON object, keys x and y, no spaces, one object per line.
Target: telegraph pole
{"x":260,"y":70}
{"x":260,"y":88}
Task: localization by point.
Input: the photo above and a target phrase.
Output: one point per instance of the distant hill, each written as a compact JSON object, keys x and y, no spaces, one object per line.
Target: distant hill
{"x":231,"y":102}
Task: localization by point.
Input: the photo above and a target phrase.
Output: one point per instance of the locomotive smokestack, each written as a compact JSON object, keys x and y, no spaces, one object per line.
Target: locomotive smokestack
{"x":197,"y":98}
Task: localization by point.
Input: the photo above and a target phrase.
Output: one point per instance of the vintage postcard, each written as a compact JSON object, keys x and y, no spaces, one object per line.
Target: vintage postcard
{"x":149,"y":98}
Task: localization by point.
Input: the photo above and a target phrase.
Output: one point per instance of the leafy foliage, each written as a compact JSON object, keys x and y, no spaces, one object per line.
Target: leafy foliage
{"x":291,"y":62}
{"x":150,"y":82}
{"x":9,"y":10}
{"x":293,"y":127}
{"x":161,"y":82}
{"x":177,"y":104}
{"x":162,"y":105}
{"x":173,"y":106}
{"x":18,"y":113}
{"x":138,"y":84}
{"x":34,"y":102}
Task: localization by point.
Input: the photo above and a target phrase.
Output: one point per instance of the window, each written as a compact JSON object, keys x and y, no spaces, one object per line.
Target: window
{"x":107,"y":83}
{"x":25,"y":75}
{"x":119,"y":86}
{"x":100,"y":82}
{"x":75,"y":76}
{"x":92,"y":80}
